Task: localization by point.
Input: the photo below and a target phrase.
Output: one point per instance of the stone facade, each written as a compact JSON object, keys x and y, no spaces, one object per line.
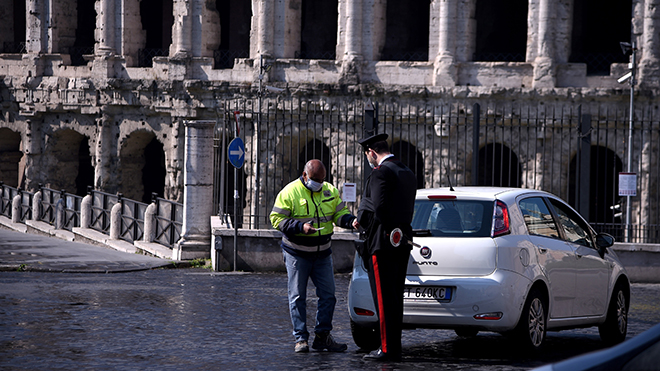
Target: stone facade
{"x":111,"y":107}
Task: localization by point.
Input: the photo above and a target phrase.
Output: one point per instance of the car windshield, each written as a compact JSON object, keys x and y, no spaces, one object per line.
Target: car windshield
{"x":453,"y":218}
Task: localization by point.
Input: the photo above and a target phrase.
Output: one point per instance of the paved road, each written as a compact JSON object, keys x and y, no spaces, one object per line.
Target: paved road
{"x":195,"y":319}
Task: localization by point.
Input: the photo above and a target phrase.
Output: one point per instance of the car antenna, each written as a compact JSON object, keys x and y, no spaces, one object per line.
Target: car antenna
{"x":448,"y":179}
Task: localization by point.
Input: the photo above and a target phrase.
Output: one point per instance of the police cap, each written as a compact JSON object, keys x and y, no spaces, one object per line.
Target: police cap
{"x":367,"y":142}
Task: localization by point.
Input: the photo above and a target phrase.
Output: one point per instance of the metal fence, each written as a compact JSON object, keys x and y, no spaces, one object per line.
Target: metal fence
{"x":575,"y":152}
{"x":169,"y":214}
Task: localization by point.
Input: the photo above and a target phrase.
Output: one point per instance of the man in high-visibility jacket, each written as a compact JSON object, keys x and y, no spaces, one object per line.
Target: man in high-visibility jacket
{"x":305,"y":211}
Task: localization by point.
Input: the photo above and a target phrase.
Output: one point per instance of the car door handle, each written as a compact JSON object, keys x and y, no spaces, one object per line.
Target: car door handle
{"x":542,"y":250}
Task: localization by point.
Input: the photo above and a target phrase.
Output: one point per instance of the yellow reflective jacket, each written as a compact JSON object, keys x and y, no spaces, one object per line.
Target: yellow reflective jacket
{"x":296,"y":205}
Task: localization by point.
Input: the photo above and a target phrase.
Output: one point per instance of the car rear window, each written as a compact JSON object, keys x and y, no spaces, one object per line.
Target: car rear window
{"x":453,"y":218}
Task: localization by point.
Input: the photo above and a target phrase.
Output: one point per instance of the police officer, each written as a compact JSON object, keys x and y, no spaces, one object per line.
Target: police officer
{"x":305,"y":211}
{"x":387,"y":203}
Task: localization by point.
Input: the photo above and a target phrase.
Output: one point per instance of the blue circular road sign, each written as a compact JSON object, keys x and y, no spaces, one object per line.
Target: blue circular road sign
{"x":236,"y":152}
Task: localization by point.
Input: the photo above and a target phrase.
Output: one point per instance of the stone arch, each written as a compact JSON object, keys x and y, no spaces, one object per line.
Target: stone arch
{"x":141,"y":166}
{"x":235,"y":26}
{"x":318,"y":36}
{"x":10,"y":157}
{"x":603,"y":185}
{"x":411,"y":157}
{"x":501,"y":30}
{"x":157,"y":17}
{"x":407,"y":31}
{"x":67,"y":169}
{"x":598,"y":27}
{"x":498,"y":166}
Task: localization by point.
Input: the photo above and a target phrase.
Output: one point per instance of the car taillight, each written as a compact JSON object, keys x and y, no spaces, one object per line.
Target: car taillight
{"x":500,"y":220}
{"x":363,"y":312}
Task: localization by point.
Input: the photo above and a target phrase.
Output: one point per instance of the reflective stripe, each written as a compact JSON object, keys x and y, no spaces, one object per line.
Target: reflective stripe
{"x":278,"y":210}
{"x":323,"y":247}
{"x":323,"y":219}
{"x":340,"y":206}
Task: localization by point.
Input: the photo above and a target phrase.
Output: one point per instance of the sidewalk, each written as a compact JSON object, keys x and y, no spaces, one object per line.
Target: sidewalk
{"x":30,"y":252}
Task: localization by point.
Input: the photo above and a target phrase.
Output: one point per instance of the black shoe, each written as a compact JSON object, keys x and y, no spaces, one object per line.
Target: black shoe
{"x":324,"y":341}
{"x":380,"y":356}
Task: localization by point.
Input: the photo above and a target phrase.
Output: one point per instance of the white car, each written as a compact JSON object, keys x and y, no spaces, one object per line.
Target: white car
{"x":514,"y":261}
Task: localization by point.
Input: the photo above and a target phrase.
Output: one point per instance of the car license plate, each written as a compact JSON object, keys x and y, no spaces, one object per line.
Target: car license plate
{"x":427,"y":292}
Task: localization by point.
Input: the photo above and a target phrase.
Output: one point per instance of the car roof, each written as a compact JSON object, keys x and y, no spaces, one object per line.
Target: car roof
{"x":477,"y":192}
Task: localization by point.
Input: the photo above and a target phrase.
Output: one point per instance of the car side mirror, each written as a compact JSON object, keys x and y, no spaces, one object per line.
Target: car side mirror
{"x":604,"y":240}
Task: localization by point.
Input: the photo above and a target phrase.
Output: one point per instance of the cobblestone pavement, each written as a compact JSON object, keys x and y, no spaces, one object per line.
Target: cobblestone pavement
{"x":195,"y":319}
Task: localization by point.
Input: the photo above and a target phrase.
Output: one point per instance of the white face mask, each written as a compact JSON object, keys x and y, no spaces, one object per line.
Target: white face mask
{"x":314,"y":186}
{"x":372,"y":161}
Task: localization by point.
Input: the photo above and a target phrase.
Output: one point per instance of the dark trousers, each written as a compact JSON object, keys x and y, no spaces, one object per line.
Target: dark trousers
{"x":387,"y":275}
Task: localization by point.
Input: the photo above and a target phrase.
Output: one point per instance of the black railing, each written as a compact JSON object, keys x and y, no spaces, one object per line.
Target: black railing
{"x":78,"y":53}
{"x":48,"y":207}
{"x":7,"y":195}
{"x":132,"y":219}
{"x":225,"y":58}
{"x":14,"y":48}
{"x":102,"y":204}
{"x":169,"y":221}
{"x":146,"y":56}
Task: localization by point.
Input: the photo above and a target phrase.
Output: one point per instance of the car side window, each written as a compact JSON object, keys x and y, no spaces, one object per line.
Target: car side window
{"x":574,"y":227}
{"x":538,"y":218}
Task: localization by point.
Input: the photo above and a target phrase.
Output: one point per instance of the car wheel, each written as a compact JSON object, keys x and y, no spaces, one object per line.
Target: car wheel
{"x":615,"y":327}
{"x":466,"y":333}
{"x":531,"y":328}
{"x":365,"y":337}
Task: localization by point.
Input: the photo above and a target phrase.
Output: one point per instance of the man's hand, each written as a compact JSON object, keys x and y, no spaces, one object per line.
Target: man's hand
{"x":355,"y":224}
{"x":308,"y":228}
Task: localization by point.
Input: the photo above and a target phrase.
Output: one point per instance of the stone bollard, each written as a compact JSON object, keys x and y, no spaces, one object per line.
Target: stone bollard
{"x":36,"y":206}
{"x":16,"y":209}
{"x":115,"y":221}
{"x":150,"y":223}
{"x":86,"y":211}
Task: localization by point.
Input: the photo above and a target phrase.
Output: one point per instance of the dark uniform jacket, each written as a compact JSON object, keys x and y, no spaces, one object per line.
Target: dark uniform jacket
{"x":388,"y":202}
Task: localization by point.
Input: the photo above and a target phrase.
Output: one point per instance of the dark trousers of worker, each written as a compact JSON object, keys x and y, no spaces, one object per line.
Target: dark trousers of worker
{"x":387,"y":275}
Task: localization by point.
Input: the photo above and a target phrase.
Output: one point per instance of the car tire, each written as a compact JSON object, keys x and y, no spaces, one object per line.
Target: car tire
{"x":365,"y":337}
{"x":531,"y":328}
{"x":466,"y":333}
{"x":615,"y":327}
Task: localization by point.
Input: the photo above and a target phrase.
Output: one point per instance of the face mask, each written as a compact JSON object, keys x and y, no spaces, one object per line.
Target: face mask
{"x":313,"y":185}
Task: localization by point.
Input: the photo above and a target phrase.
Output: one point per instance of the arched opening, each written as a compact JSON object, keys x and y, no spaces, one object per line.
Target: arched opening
{"x":157,"y":19}
{"x":603,"y":186}
{"x":10,"y":157}
{"x":142,"y":166}
{"x":85,"y":28}
{"x":63,"y":162}
{"x":499,"y":166}
{"x":85,"y":168}
{"x":501,"y":30}
{"x":318,"y":36}
{"x":153,"y":172}
{"x":598,"y":28}
{"x":315,"y":149}
{"x":12,"y":28}
{"x":410,"y":156}
{"x":407,"y":31}
{"x":235,"y":22}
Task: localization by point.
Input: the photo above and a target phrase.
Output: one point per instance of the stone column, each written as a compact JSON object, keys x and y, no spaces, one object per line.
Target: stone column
{"x":106,"y":26}
{"x":36,"y":36}
{"x":182,"y":29}
{"x":265,"y":32}
{"x":103,"y":155}
{"x":350,"y":70}
{"x":445,"y":70}
{"x":33,"y":151}
{"x":649,"y":44}
{"x":195,"y":239}
{"x":545,"y":69}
